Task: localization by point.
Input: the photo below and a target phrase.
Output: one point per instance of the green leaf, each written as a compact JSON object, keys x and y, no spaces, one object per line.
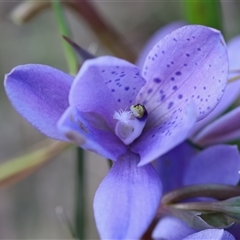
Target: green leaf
{"x":230,"y":207}
{"x":216,"y":220}
{"x":203,"y":12}
{"x":203,"y":220}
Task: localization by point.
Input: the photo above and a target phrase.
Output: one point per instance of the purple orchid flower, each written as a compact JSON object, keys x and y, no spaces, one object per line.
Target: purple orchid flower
{"x":219,"y":164}
{"x":212,"y":129}
{"x":131,"y":118}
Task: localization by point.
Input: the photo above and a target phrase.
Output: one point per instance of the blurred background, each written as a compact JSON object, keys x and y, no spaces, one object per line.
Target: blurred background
{"x":27,"y":208}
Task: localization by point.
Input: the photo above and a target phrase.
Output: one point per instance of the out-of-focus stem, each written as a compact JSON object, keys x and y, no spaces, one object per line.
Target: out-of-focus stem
{"x":106,"y":34}
{"x":80,"y":220}
{"x":64,"y":30}
{"x":220,"y":192}
{"x":27,"y":10}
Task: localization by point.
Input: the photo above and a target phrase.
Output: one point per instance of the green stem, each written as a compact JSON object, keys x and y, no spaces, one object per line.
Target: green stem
{"x":80,"y":196}
{"x":206,"y":13}
{"x":80,"y":177}
{"x":65,"y":31}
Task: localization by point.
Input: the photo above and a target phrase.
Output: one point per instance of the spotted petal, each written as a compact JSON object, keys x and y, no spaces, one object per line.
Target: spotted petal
{"x":40,"y":94}
{"x":90,"y":131}
{"x":157,"y":36}
{"x":174,"y":129}
{"x":230,"y":95}
{"x":211,"y":234}
{"x":218,"y":164}
{"x":191,"y":63}
{"x":105,"y":85}
{"x":127,"y":199}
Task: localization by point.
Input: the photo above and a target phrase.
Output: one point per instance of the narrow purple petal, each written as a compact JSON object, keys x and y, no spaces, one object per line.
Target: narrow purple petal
{"x":40,"y":94}
{"x":170,"y":133}
{"x":171,"y":166}
{"x":91,"y":132}
{"x":235,"y":231}
{"x":229,"y":97}
{"x":157,"y":36}
{"x":127,"y":199}
{"x":234,"y":56}
{"x":211,"y":234}
{"x":105,"y":85}
{"x":171,"y":228}
{"x":224,"y":129}
{"x":190,"y":64}
{"x":218,"y":164}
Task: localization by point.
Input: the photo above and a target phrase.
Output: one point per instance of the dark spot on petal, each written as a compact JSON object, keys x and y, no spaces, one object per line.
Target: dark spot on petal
{"x":174,"y":88}
{"x":157,"y":80}
{"x":180,"y":96}
{"x":199,"y":49}
{"x":119,"y":100}
{"x":170,"y":105}
{"x":113,"y":90}
{"x":163,"y":97}
{"x":178,"y":73}
{"x":172,"y":78}
{"x":185,"y":64}
{"x":149,"y":90}
{"x":126,"y":88}
{"x":187,"y":54}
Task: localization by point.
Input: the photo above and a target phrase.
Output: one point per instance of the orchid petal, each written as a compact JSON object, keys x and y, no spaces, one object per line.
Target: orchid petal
{"x":91,"y":132}
{"x":127,"y":199}
{"x":224,"y":129}
{"x":171,"y":228}
{"x":105,"y":85}
{"x":40,"y":94}
{"x":218,"y":164}
{"x":157,"y":36}
{"x":211,"y":234}
{"x":230,"y":95}
{"x":174,"y":130}
{"x":191,"y":63}
{"x":234,"y":56}
{"x":235,"y":230}
{"x":171,"y":166}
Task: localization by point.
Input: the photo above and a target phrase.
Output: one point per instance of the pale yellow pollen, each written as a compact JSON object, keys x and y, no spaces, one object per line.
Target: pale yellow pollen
{"x":138,"y":110}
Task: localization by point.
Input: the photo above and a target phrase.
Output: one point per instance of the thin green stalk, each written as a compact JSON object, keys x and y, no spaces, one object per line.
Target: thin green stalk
{"x":206,"y":13}
{"x":65,"y":31}
{"x":80,"y":196}
{"x":79,"y":218}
